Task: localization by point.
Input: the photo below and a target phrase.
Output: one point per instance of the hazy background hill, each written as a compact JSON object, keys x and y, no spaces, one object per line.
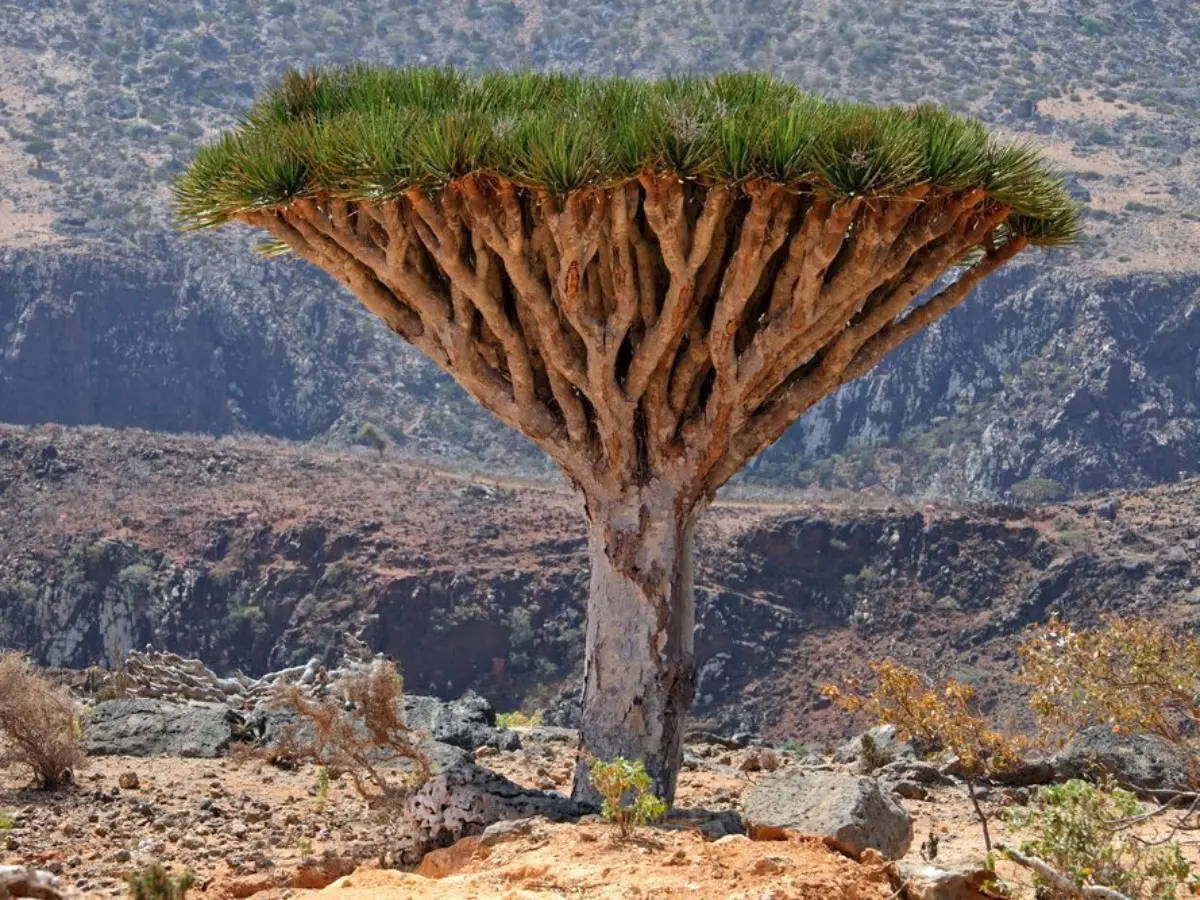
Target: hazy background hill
{"x":1067,"y":374}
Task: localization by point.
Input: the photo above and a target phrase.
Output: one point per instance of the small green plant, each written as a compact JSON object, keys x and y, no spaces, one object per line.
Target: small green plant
{"x":872,"y":757}
{"x":155,"y":883}
{"x":305,"y":846}
{"x":518,"y":719}
{"x":6,"y":824}
{"x":1081,"y":831}
{"x":629,"y":800}
{"x":323,"y":782}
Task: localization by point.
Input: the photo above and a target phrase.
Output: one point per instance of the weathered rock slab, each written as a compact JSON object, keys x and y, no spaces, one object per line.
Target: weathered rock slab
{"x":856,"y":813}
{"x":18,"y":881}
{"x":144,"y":727}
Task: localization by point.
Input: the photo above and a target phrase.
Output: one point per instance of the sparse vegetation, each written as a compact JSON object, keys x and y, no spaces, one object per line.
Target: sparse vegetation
{"x":370,"y":435}
{"x":938,"y":716}
{"x":1082,"y":832}
{"x":38,"y":727}
{"x":359,"y":730}
{"x":323,"y":783}
{"x":1132,"y":675}
{"x":872,"y":755}
{"x":1037,"y":490}
{"x":519,"y":719}
{"x":626,"y":789}
{"x":154,"y":882}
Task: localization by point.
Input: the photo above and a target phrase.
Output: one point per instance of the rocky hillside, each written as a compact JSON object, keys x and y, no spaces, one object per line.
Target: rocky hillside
{"x":1075,"y":370}
{"x":257,"y":555}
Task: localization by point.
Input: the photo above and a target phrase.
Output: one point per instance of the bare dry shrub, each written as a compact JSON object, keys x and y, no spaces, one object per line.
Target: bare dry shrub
{"x":37,"y":724}
{"x":359,"y":729}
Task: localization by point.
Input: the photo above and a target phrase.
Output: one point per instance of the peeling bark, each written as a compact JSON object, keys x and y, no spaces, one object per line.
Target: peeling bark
{"x":640,"y":670}
{"x":651,"y":337}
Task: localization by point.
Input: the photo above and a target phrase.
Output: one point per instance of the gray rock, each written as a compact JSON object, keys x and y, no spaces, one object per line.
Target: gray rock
{"x":465,"y":799}
{"x":887,"y":745}
{"x":506,"y":830}
{"x":142,"y":727}
{"x":910,"y":790}
{"x":712,"y":824}
{"x":855,"y":812}
{"x":1028,"y":773}
{"x":469,"y":722}
{"x":1140,"y":760}
{"x":552,"y":734}
{"x":914,"y":770}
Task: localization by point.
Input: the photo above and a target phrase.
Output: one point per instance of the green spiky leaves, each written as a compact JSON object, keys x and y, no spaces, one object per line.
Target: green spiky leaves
{"x":370,"y":133}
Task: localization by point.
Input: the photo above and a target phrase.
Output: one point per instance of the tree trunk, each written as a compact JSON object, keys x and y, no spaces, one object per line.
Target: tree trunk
{"x":640,"y":670}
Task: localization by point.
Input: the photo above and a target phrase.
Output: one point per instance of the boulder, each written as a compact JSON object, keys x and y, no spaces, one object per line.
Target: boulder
{"x":888,"y":746}
{"x":856,"y":813}
{"x":1140,"y":760}
{"x":464,"y":799}
{"x":144,"y":727}
{"x":914,"y":770}
{"x":469,"y":722}
{"x":18,"y":881}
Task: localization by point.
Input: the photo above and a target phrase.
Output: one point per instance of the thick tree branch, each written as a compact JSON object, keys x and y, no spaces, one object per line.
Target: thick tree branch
{"x":1060,"y":882}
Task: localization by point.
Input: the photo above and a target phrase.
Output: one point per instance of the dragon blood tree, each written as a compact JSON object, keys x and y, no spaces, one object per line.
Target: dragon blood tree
{"x":652,"y":280}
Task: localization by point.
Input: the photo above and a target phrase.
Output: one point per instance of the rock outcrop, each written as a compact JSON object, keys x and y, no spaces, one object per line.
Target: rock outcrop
{"x":855,"y":813}
{"x":1140,"y":761}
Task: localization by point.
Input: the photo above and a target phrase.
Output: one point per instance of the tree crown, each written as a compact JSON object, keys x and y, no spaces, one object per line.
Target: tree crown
{"x":371,"y":133}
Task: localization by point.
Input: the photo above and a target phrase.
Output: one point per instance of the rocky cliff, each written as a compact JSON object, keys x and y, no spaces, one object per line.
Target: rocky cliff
{"x":256,"y":555}
{"x":207,"y":338}
{"x":1089,"y":383}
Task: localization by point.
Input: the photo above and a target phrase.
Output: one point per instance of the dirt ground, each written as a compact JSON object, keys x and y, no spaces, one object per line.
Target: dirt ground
{"x":252,"y":830}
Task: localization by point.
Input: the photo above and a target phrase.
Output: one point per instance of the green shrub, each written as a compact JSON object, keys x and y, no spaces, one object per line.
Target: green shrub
{"x":369,"y":435}
{"x":1038,"y":490}
{"x":155,"y":883}
{"x":1081,"y":831}
{"x":873,"y":757}
{"x":518,"y":719}
{"x":629,"y":800}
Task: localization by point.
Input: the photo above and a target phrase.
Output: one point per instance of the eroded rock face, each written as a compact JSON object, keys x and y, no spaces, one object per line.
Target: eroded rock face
{"x":855,"y":812}
{"x":463,"y":800}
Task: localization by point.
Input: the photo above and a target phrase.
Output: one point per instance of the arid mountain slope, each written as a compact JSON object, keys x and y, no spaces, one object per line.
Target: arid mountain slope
{"x":104,"y":311}
{"x":256,"y":554}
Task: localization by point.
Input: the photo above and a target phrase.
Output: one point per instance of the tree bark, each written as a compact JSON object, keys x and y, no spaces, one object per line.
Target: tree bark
{"x":640,"y":668}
